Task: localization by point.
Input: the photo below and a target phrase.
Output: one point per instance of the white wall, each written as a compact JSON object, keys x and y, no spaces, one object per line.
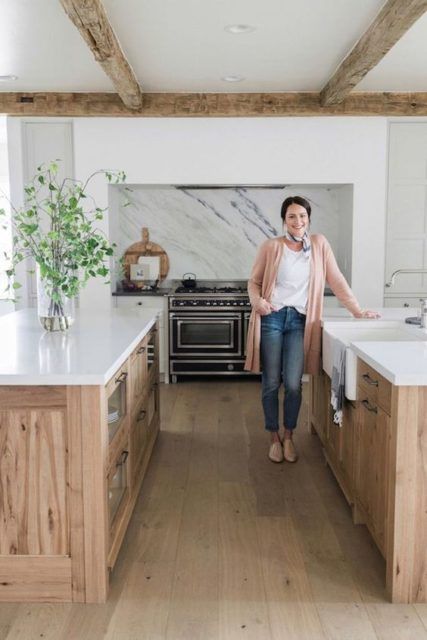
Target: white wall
{"x":249,"y":151}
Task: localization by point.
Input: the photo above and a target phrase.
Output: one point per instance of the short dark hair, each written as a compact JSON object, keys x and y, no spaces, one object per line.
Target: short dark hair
{"x":295,"y":200}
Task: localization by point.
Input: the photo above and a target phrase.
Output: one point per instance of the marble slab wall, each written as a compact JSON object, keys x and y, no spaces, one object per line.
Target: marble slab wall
{"x":214,"y":232}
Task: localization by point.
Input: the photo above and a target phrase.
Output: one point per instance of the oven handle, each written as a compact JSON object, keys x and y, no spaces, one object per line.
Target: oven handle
{"x":206,"y":315}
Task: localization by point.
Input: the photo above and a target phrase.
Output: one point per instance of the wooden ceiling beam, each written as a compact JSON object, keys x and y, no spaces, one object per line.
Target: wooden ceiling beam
{"x":212,"y":105}
{"x":92,"y":22}
{"x":394,"y":19}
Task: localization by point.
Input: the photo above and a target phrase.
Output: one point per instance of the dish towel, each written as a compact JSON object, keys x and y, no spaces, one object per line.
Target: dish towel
{"x":338,"y":380}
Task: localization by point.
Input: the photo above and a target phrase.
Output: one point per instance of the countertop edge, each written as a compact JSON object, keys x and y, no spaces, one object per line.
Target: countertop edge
{"x":396,"y":379}
{"x":80,"y":379}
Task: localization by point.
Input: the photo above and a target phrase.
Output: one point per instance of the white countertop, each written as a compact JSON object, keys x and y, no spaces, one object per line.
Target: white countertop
{"x":402,"y":362}
{"x":89,"y":353}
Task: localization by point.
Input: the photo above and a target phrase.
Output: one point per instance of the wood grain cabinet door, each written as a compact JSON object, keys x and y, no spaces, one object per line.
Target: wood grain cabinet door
{"x":33,"y":482}
{"x":138,"y":440}
{"x":347,"y":449}
{"x":366,"y":451}
{"x":379,"y":488}
{"x":138,"y":374}
{"x":320,"y":391}
{"x":372,"y":467}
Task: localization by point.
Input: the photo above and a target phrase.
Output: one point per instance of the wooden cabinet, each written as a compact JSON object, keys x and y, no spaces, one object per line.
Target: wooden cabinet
{"x":72,"y":462}
{"x":131,"y":450}
{"x":319,"y":393}
{"x":372,"y":461}
{"x":357,"y":451}
{"x":138,"y":369}
{"x":378,"y":458}
{"x":338,"y":441}
{"x":348,"y":447}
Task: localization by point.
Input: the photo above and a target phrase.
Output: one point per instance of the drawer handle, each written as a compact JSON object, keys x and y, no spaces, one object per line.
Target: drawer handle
{"x":369,"y":407}
{"x":122,"y":377}
{"x":141,"y":350}
{"x":141,"y":415}
{"x":123,"y":458}
{"x":367,"y":378}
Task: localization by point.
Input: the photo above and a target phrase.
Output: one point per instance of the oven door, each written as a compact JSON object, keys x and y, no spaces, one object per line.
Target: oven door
{"x":246,"y":317}
{"x":205,"y":334}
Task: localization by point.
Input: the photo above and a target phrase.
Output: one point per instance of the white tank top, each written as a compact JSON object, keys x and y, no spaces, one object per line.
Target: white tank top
{"x":291,"y":288}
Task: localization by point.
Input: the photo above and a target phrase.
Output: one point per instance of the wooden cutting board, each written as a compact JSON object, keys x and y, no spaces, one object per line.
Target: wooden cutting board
{"x":145,"y":248}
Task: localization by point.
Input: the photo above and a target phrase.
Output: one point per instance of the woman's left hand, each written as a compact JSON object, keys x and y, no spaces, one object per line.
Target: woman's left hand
{"x":369,"y":314}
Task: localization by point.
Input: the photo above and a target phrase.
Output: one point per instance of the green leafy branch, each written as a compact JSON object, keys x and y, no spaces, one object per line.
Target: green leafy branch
{"x":57,"y":228}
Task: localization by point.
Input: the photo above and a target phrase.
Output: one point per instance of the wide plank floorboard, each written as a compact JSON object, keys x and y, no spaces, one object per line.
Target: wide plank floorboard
{"x":223,"y":544}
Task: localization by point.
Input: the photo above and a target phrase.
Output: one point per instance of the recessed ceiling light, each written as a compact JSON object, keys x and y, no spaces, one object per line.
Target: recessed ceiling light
{"x":239,"y":28}
{"x":233,"y":78}
{"x":8,"y":78}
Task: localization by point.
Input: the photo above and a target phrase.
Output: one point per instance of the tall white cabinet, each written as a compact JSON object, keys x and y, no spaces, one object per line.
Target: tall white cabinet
{"x":43,"y":141}
{"x":406,"y":246}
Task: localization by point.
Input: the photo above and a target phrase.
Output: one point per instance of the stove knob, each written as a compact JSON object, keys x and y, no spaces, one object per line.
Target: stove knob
{"x":214,"y":303}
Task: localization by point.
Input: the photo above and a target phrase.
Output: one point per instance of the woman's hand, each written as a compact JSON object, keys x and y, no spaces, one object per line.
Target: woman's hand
{"x":368,"y":314}
{"x":263,"y":307}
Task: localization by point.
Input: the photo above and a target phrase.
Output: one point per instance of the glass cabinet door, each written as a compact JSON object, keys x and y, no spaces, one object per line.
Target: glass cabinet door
{"x":151,"y":349}
{"x":117,"y":485}
{"x":117,"y":404}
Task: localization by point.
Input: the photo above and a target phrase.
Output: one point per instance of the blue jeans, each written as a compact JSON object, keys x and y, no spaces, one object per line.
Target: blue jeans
{"x":282,"y":358}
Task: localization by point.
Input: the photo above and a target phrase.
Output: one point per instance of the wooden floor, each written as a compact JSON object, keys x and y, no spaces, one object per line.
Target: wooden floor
{"x":224,"y":544}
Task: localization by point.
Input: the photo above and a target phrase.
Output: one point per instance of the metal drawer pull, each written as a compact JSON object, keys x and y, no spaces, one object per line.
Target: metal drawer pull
{"x":122,"y":377}
{"x":367,"y":378}
{"x":369,"y":407}
{"x":141,"y":415}
{"x":123,"y":458}
{"x":141,"y":350}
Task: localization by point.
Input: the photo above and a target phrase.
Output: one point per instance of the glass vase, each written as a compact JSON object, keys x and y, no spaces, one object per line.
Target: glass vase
{"x":55,"y":310}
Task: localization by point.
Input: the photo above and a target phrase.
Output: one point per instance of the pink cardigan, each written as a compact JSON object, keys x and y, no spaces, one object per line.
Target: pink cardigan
{"x":323,"y":268}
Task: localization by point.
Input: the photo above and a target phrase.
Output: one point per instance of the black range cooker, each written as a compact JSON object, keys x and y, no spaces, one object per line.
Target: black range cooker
{"x":207,"y":329}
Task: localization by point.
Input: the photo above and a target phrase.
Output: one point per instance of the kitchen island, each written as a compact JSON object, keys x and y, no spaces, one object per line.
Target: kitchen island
{"x":379,"y":454}
{"x":79,"y":415}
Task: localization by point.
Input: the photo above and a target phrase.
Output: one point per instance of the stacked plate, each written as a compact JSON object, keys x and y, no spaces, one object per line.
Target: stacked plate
{"x":113,"y":415}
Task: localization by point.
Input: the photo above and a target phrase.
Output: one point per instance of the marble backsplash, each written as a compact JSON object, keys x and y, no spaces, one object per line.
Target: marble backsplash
{"x":214,"y":232}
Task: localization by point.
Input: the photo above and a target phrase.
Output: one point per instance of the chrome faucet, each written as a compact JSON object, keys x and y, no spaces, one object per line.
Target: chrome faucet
{"x":395,"y":273}
{"x":422,"y":319}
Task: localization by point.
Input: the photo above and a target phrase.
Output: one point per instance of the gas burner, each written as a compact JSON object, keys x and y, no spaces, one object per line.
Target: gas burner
{"x":229,"y":290}
{"x":194,"y":290}
{"x":213,"y":289}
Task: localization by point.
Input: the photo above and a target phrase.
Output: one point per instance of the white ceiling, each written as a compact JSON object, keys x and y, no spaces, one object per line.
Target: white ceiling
{"x":181,"y":45}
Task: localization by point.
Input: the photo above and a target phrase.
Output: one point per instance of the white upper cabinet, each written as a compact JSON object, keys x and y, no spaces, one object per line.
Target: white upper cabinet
{"x":407,"y":208}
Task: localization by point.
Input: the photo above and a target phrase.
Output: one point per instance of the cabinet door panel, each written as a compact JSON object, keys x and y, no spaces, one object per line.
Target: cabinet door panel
{"x":320,"y":394}
{"x":334,"y":439}
{"x":348,"y":452}
{"x":379,"y":462}
{"x":138,"y":439}
{"x":33,"y":482}
{"x":366,"y":440}
{"x":138,"y":374}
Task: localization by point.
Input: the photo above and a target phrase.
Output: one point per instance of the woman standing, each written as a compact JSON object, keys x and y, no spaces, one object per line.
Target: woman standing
{"x":286,"y":292}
